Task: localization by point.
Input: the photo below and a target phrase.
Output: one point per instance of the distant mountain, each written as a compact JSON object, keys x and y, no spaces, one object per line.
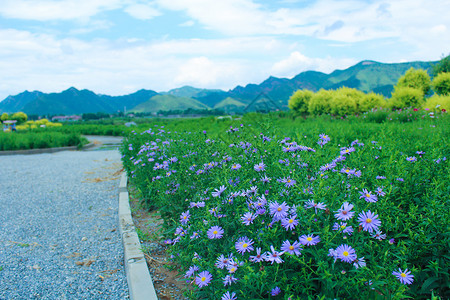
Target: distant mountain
{"x":366,"y":76}
{"x":168,"y":102}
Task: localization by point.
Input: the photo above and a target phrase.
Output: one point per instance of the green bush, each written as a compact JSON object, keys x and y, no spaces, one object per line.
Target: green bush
{"x":441,"y":84}
{"x":406,"y":97}
{"x":417,"y":79}
{"x":299,"y":101}
{"x":320,"y":102}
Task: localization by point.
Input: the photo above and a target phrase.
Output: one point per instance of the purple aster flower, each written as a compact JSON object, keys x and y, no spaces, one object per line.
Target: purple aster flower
{"x":405,"y":277}
{"x":411,"y":158}
{"x":232,"y":266}
{"x":380,"y":192}
{"x":258,"y":257}
{"x":278,"y":211}
{"x":218,"y":192}
{"x":215,"y":232}
{"x":324,"y":137}
{"x":343,"y":226}
{"x":345,"y":151}
{"x":236,"y":166}
{"x":244,"y":244}
{"x":273,"y":256}
{"x":316,"y":206}
{"x":288,"y":182}
{"x":359,"y":263}
{"x":228,"y":296}
{"x":294,"y":248}
{"x":195,"y":235}
{"x":366,"y":195}
{"x":203,"y":279}
{"x":369,"y":221}
{"x":344,"y":213}
{"x":392,"y":241}
{"x":379,"y":235}
{"x":191,"y":271}
{"x":248,"y":218}
{"x":400,"y":179}
{"x":260,"y":167}
{"x":223,"y":261}
{"x":309,"y":240}
{"x":327,"y":167}
{"x":346,"y":253}
{"x":229,"y":279}
{"x":275,"y":291}
{"x":265,"y":179}
{"x":289,"y":223}
{"x":333,"y":253}
{"x":380,"y":177}
{"x":348,"y":171}
{"x":184,"y":217}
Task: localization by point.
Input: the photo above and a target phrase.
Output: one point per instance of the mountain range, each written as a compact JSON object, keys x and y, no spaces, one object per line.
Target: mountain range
{"x":367,"y":76}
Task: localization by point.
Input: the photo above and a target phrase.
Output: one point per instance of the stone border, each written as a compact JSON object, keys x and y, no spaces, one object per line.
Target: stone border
{"x":140,"y":284}
{"x":44,"y":150}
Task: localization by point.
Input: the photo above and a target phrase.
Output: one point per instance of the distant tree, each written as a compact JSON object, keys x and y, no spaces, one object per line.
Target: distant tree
{"x":406,"y":97}
{"x":441,"y":83}
{"x":443,"y":66}
{"x":320,"y":102}
{"x":20,"y":117}
{"x":299,"y":101}
{"x":417,"y":79}
{"x":4,"y":117}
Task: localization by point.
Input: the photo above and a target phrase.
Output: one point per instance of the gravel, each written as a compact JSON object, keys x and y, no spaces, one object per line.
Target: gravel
{"x":59,"y":235}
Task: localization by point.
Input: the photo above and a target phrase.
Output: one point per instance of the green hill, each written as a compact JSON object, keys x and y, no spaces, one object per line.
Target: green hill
{"x":230,"y":105}
{"x":168,"y":102}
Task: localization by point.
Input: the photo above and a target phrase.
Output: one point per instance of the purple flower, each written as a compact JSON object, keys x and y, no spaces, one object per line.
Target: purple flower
{"x":294,"y":248}
{"x":229,"y":279}
{"x":191,"y":271}
{"x":275,"y":291}
{"x":273,"y":256}
{"x":346,"y":253}
{"x":184,"y":217}
{"x":309,"y":240}
{"x":343,"y":226}
{"x":359,"y":262}
{"x":405,"y":277}
{"x":218,"y":192}
{"x":260,"y":167}
{"x":289,"y":223}
{"x":380,"y":192}
{"x":345,"y":213}
{"x":258,"y":257}
{"x":316,"y":206}
{"x":228,"y":296}
{"x":235,"y":166}
{"x":278,"y":211}
{"x":288,"y":182}
{"x":244,"y":244}
{"x":203,"y":279}
{"x":378,"y":235}
{"x":248,"y":218}
{"x":369,"y":221}
{"x":215,"y":232}
{"x":380,"y":177}
{"x":366,"y":195}
{"x":345,"y":151}
{"x":223,"y":261}
{"x":411,"y":158}
{"x":348,"y":171}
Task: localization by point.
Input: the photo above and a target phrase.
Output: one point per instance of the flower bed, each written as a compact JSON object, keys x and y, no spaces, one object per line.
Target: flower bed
{"x":266,"y":209}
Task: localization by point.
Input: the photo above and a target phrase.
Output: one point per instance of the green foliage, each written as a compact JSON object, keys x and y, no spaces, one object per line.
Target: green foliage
{"x":371,"y":101}
{"x":417,"y":79}
{"x":4,"y":117}
{"x":406,"y":97}
{"x":38,"y":139}
{"x":438,"y":103}
{"x":442,"y":66}
{"x":441,"y":83}
{"x":320,"y":102}
{"x":176,"y":167}
{"x":19,"y":116}
{"x":299,"y":101}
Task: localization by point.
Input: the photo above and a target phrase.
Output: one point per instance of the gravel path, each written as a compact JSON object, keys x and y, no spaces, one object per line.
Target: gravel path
{"x":59,"y":235}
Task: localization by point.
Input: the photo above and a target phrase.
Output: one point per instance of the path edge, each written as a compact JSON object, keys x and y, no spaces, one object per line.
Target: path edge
{"x":140,"y":284}
{"x":44,"y":150}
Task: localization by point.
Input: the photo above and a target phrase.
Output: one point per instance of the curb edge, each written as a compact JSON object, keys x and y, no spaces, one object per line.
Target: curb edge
{"x":140,"y":284}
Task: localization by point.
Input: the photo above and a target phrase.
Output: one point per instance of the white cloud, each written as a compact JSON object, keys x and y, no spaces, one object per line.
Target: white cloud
{"x":297,"y":63}
{"x":142,"y":11}
{"x":48,"y":10}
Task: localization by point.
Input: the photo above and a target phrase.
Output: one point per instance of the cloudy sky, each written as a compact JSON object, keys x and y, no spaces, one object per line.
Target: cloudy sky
{"x":117,"y":47}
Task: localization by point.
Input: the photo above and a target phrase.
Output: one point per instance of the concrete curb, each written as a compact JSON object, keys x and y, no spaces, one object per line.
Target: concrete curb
{"x":140,"y":284}
{"x":44,"y":150}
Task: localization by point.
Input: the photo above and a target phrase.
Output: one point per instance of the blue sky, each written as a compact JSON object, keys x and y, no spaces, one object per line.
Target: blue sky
{"x":117,"y":47}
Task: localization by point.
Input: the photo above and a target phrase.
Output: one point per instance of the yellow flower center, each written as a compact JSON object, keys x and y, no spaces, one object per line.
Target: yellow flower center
{"x":342,"y":226}
{"x":291,"y":247}
{"x":369,"y":220}
{"x":309,"y":239}
{"x":215,"y":232}
{"x":403,"y":275}
{"x":368,"y":195}
{"x":245,"y":245}
{"x":345,"y":253}
{"x":279,"y":208}
{"x":203,"y":278}
{"x":291,"y":221}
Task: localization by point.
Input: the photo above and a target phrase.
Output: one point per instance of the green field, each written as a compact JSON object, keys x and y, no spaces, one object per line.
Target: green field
{"x":269,"y":206}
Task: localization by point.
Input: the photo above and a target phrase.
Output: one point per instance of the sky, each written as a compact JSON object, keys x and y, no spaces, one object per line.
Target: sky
{"x":117,"y":47}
